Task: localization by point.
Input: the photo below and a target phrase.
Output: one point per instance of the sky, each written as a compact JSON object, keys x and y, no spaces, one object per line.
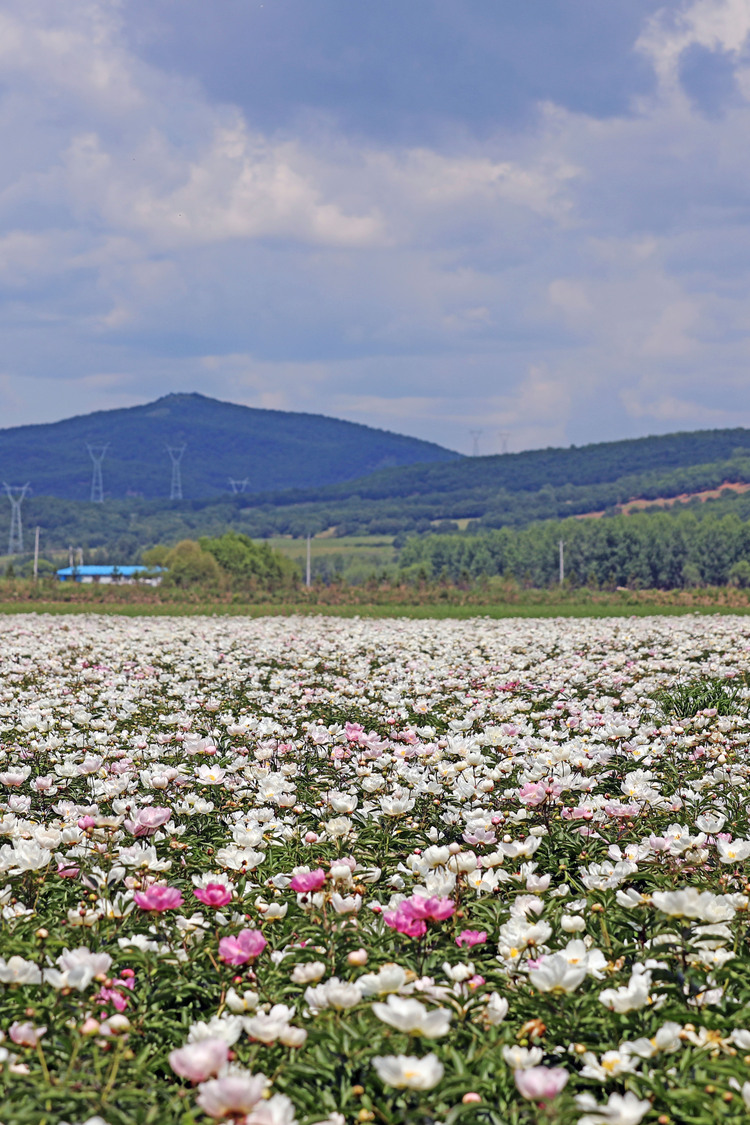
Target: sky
{"x":490,"y":225}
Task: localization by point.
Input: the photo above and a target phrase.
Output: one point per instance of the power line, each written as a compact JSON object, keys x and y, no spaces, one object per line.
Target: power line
{"x":175,"y":453}
{"x":16,"y":493}
{"x":97,"y":453}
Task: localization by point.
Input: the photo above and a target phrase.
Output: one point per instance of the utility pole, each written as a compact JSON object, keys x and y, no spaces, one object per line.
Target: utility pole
{"x":307,"y":568}
{"x":97,"y":453}
{"x":70,"y":557}
{"x":175,"y":453}
{"x":36,"y":553}
{"x":16,"y":493}
{"x":562,"y":561}
{"x":475,"y":436}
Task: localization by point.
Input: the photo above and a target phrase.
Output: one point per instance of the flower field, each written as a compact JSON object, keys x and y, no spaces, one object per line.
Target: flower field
{"x":314,"y":870}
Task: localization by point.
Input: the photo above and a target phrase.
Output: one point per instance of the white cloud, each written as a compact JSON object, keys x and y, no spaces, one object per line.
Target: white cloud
{"x":717,"y":25}
{"x":557,"y":282}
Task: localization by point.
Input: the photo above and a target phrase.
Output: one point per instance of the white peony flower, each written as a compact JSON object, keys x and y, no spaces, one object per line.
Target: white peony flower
{"x":411,"y":1016}
{"x":18,"y":971}
{"x":619,"y":1110}
{"x":557,"y":974}
{"x":405,"y":1072}
{"x":307,"y":972}
{"x":334,"y":993}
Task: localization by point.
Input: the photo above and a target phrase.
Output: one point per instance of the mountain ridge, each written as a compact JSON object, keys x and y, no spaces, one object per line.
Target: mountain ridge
{"x":274,"y":449}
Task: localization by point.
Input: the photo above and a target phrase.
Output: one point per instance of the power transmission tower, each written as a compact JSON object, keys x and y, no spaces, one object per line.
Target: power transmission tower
{"x":97,"y":453}
{"x":175,"y":453}
{"x":504,"y":435}
{"x":238,"y":485}
{"x":475,"y":436}
{"x":16,"y":493}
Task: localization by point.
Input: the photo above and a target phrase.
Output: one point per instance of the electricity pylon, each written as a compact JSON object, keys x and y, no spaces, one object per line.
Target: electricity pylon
{"x":175,"y":453}
{"x":97,"y":453}
{"x":238,"y":485}
{"x":16,"y":493}
{"x":475,"y":436}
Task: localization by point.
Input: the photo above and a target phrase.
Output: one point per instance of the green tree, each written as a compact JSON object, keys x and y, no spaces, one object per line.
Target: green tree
{"x":739,"y":574}
{"x":189,"y":565}
{"x":251,"y":562}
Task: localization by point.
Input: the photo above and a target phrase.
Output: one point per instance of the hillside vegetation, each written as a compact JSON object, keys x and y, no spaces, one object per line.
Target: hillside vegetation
{"x":647,"y":550}
{"x":119,"y":530}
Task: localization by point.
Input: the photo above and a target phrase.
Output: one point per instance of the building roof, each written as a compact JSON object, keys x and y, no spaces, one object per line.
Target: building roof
{"x":105,"y":571}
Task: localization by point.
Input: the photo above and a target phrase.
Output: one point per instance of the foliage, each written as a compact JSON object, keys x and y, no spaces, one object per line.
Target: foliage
{"x":684,"y":701}
{"x":247,"y":561}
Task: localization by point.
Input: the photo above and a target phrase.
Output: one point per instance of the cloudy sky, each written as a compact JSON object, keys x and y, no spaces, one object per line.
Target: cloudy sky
{"x":528,"y":217}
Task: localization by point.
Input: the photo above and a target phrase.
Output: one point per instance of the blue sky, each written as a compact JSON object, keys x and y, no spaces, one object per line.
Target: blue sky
{"x":529,"y":217}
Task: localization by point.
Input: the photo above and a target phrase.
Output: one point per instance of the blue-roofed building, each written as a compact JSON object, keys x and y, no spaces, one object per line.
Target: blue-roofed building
{"x":107,"y":575}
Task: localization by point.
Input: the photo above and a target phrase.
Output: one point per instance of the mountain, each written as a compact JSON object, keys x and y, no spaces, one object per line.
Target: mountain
{"x":273,"y":449}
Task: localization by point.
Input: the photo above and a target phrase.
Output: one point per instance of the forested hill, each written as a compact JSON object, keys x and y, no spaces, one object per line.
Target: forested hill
{"x":273,"y":449}
{"x":529,"y":471}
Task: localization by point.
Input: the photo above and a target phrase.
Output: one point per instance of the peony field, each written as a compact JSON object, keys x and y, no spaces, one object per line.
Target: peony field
{"x":325,"y":871}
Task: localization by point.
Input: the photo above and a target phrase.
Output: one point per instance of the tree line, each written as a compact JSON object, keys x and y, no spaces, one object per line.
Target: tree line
{"x":641,"y":551}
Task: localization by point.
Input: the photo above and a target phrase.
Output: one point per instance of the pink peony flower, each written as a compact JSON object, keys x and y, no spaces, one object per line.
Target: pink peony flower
{"x":540,"y":1083}
{"x":533,"y":793}
{"x":471,"y":937}
{"x":26,"y":1034}
{"x":411,"y":915}
{"x":404,"y":923}
{"x":113,"y":996}
{"x":237,"y":950}
{"x":86,"y":822}
{"x":67,"y":872}
{"x":214,"y":894}
{"x":435,"y":909}
{"x":201,"y":1060}
{"x":305,"y":883}
{"x":158,"y":897}
{"x":147,"y":821}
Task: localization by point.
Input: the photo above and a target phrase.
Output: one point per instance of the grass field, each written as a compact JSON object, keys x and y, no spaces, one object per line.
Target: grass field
{"x":353,"y":558}
{"x":444,"y":612}
{"x":323,"y":546}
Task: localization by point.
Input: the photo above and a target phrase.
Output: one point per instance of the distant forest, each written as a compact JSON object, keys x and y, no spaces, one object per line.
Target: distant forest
{"x":648,"y":550}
